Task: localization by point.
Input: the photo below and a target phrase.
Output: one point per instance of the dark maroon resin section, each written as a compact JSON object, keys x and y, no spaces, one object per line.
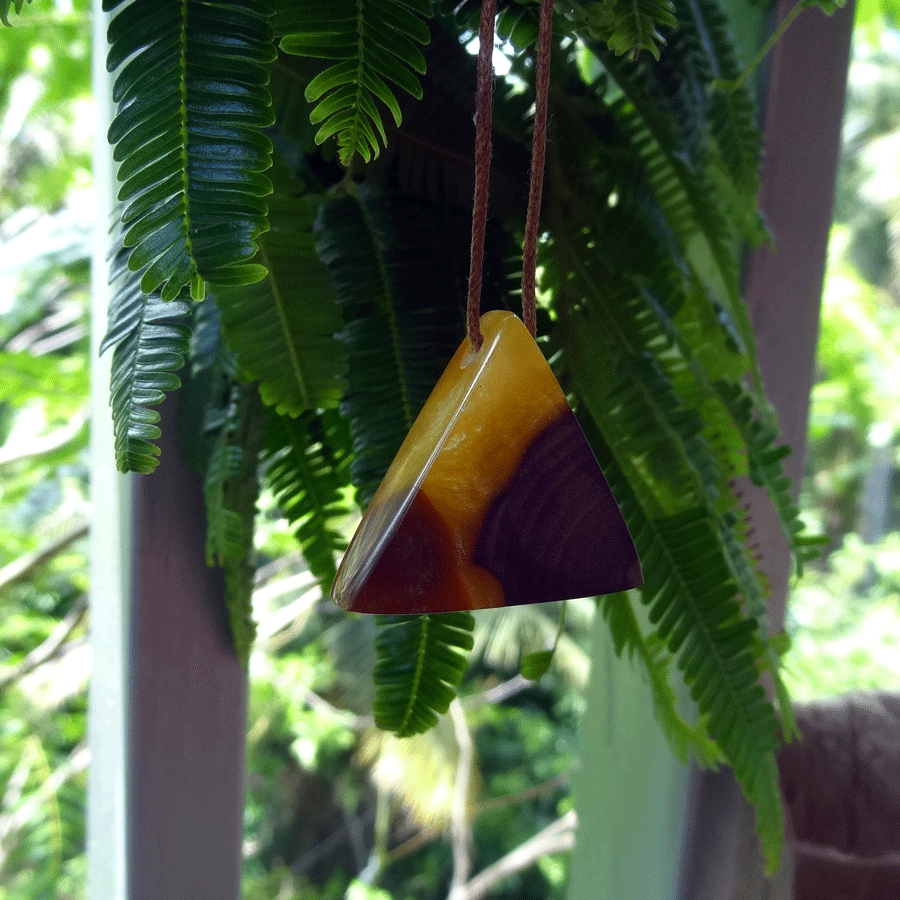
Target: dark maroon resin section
{"x":557,"y":532}
{"x":417,"y":572}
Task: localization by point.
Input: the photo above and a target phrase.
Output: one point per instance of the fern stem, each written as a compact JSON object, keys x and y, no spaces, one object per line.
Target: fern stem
{"x":783,"y":26}
{"x":198,"y":285}
{"x":402,"y":378}
{"x":417,"y":678}
{"x":483,"y":114}
{"x":278,"y":301}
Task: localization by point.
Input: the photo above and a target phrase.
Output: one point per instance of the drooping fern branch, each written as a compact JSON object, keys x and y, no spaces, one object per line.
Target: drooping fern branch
{"x":651,"y":654}
{"x":402,"y":319}
{"x":191,"y":103}
{"x":150,"y":337}
{"x":308,"y":469}
{"x":402,"y":322}
{"x":223,"y":425}
{"x":692,"y":601}
{"x":645,"y":349}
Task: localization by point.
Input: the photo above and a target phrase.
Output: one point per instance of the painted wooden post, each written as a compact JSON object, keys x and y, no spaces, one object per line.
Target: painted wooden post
{"x":186,"y":697}
{"x":630,"y":789}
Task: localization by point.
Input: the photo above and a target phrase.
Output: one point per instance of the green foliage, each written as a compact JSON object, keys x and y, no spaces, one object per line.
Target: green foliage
{"x":282,"y":328}
{"x":402,"y":318}
{"x":7,"y":5}
{"x":852,"y":645}
{"x":239,"y":493}
{"x":764,"y":456}
{"x":227,"y":450}
{"x":150,"y":342}
{"x":629,"y":27}
{"x":375,"y":45}
{"x":308,"y":470}
{"x":191,"y":102}
{"x":536,"y":665}
{"x":321,"y":337}
{"x":421,"y":661}
{"x":653,"y":656}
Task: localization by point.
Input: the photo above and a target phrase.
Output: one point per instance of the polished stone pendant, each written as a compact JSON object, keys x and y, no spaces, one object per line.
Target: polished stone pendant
{"x":494,"y":499}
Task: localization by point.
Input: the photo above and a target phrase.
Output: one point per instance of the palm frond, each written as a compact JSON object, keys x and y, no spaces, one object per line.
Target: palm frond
{"x":421,"y":661}
{"x":374,"y":45}
{"x":150,"y":337}
{"x":308,"y":468}
{"x":282,"y":328}
{"x":191,"y":102}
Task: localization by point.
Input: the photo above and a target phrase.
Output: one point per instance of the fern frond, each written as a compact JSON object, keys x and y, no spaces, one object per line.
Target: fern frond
{"x":282,"y":328}
{"x":693,"y":604}
{"x":732,"y":110}
{"x":240,"y":496}
{"x":627,"y":26}
{"x":224,"y":459}
{"x":764,"y":461}
{"x":236,"y":434}
{"x":685,"y":196}
{"x":187,"y":134}
{"x":222,"y":426}
{"x":672,"y":492}
{"x":402,"y":319}
{"x":374,"y":45}
{"x":308,"y":470}
{"x":150,"y":337}
{"x":420,"y":662}
{"x":719,"y":449}
{"x":7,"y":5}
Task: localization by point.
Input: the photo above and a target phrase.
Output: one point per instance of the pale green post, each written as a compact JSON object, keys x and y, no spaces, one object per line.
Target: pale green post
{"x":630,"y":791}
{"x":109,"y":549}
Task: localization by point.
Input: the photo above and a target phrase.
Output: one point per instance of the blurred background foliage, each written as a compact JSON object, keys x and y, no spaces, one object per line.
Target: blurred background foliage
{"x":323,"y":788}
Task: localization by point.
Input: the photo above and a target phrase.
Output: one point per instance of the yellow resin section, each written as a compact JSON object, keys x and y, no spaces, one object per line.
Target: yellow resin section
{"x":461,"y":453}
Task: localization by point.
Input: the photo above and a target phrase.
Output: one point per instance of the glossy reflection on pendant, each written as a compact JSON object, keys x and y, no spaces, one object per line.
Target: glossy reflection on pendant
{"x":494,"y":499}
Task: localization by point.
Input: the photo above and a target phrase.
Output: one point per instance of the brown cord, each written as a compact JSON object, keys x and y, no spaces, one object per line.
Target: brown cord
{"x":483,"y":115}
{"x":538,"y":151}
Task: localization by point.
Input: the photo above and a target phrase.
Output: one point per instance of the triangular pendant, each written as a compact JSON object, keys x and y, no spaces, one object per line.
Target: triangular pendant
{"x":494,"y":499}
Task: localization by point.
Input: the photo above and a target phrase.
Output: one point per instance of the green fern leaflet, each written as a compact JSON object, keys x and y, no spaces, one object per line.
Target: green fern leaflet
{"x":151,"y":341}
{"x":374,"y":44}
{"x":421,"y":661}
